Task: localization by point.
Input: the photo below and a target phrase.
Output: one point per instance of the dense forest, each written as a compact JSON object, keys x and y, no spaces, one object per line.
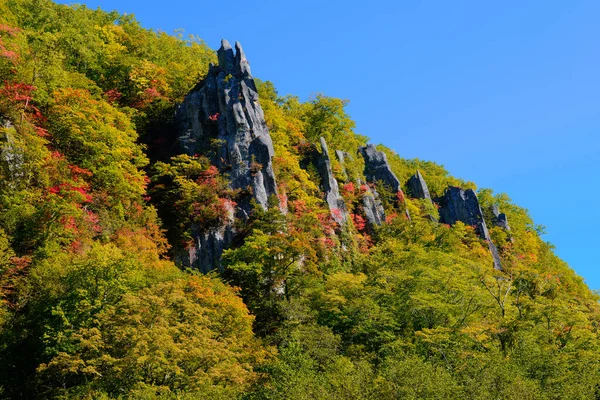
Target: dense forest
{"x":100,"y":203}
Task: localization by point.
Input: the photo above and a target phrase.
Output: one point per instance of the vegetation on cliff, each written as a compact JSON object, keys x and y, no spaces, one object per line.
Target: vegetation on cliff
{"x":93,"y":200}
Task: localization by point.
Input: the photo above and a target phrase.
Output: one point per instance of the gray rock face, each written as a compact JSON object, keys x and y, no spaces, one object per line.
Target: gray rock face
{"x":462,"y":205}
{"x":372,"y":206}
{"x":343,"y":156}
{"x":417,"y":187}
{"x":205,"y":253}
{"x":221,"y":116}
{"x":500,"y":219}
{"x":377,"y":167}
{"x":336,"y":203}
{"x":495,"y":255}
{"x":10,"y":155}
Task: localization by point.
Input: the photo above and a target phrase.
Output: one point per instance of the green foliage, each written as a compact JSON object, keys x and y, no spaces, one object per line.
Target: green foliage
{"x":190,"y":335}
{"x":191,"y":196}
{"x":91,"y":307}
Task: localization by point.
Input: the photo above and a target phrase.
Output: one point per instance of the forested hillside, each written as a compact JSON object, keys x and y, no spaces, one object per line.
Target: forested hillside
{"x":175,"y":229}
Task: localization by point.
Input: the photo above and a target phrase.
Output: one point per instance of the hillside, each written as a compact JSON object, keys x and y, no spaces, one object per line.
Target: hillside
{"x":172,"y":227}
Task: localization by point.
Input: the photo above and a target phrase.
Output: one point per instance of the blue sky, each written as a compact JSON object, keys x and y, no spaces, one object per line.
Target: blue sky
{"x":505,"y":94}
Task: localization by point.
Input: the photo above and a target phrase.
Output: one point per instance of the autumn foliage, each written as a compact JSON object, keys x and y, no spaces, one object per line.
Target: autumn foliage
{"x":95,"y":201}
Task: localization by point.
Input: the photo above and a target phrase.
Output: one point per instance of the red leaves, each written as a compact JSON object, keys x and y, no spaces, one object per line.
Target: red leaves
{"x":326,"y":223}
{"x":41,"y":132}
{"x":400,"y":196}
{"x":63,"y":189}
{"x":359,"y":222}
{"x":283,"y":199}
{"x":11,"y":30}
{"x":5,"y":52}
{"x":349,"y":187}
{"x":337,"y":213}
{"x":10,"y":278}
{"x":18,"y":96}
{"x":299,"y":207}
{"x":17,"y":92}
{"x":209,"y":177}
{"x":214,"y":117}
{"x":391,"y":217}
{"x":151,"y":94}
{"x":113,"y":95}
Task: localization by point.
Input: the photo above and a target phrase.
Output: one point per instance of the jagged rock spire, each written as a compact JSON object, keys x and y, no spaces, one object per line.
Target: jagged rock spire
{"x":223,"y":109}
{"x":500,"y":219}
{"x":336,"y":203}
{"x":417,"y":187}
{"x":372,"y":206}
{"x":377,"y":167}
{"x":226,"y":57}
{"x":463,"y":205}
{"x":242,"y":67}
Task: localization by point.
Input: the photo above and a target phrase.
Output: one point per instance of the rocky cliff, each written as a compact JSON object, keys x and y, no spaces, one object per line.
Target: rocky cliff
{"x":222,"y":117}
{"x":330,"y":186}
{"x":10,"y":154}
{"x":463,"y":205}
{"x":417,"y":187}
{"x":377,"y":167}
{"x":500,"y":219}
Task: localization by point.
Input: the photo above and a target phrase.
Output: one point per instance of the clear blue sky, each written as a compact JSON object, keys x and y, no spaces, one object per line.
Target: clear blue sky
{"x":505,"y":94}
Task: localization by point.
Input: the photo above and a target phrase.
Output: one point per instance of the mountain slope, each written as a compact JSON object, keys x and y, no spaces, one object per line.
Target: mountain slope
{"x":334,"y":269}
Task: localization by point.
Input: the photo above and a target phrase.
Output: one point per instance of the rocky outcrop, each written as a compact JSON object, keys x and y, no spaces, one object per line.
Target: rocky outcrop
{"x":222,"y":117}
{"x":417,"y":187}
{"x":500,"y":219}
{"x":371,"y":204}
{"x":10,"y":155}
{"x":372,"y":207}
{"x":336,"y":203}
{"x":204,"y":254}
{"x":462,"y":205}
{"x":377,"y":167}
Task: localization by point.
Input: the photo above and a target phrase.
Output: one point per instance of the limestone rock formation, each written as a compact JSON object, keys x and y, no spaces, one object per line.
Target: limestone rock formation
{"x":10,"y":155}
{"x":377,"y":167}
{"x":336,"y":203}
{"x":222,"y":118}
{"x":372,"y":206}
{"x":204,"y":254}
{"x":462,"y":205}
{"x":417,"y":187}
{"x":500,"y":219}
